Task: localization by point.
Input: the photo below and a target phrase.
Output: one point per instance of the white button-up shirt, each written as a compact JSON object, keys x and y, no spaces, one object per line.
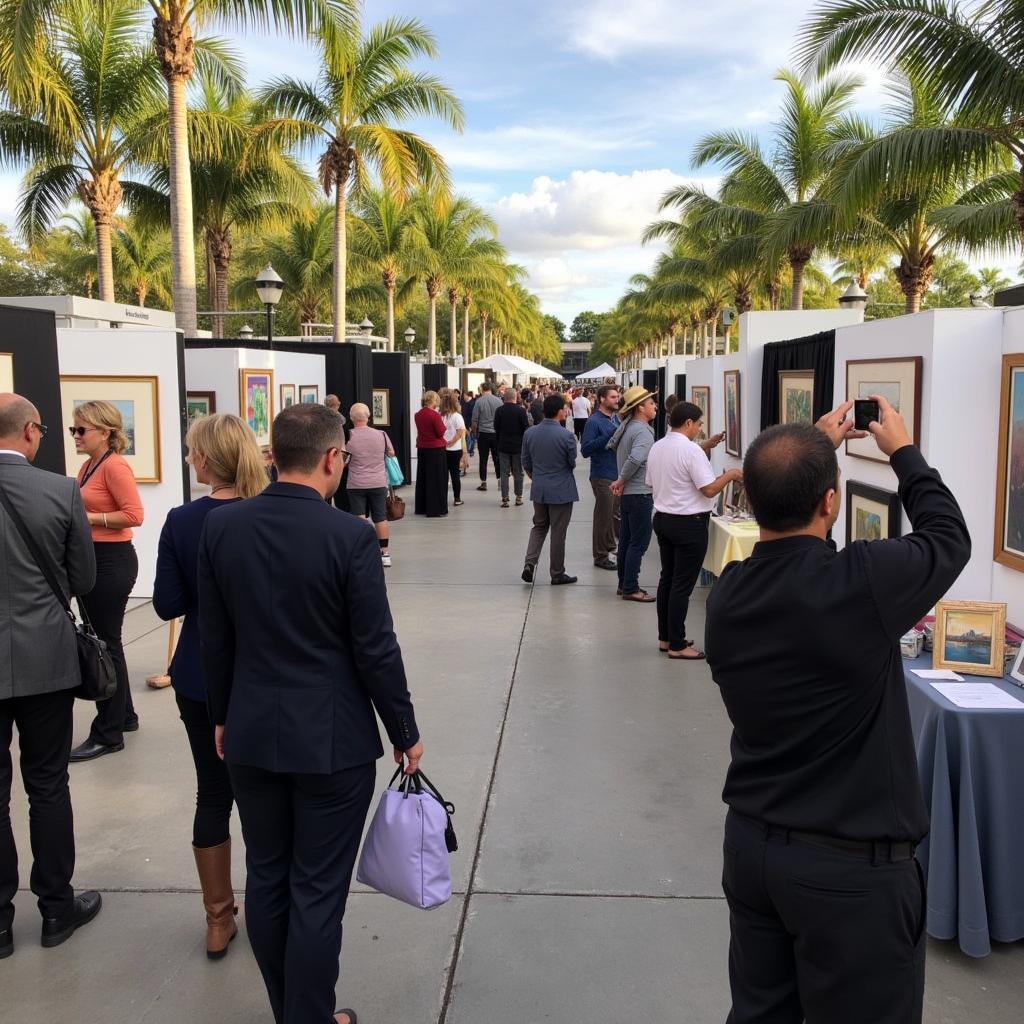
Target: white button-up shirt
{"x":677,"y":468}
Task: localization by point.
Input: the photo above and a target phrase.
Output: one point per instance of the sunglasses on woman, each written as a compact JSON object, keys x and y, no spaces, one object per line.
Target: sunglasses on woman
{"x":79,"y":431}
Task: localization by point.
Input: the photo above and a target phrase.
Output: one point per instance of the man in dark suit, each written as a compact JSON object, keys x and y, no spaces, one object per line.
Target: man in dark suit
{"x":39,"y":673}
{"x":295,"y":662}
{"x":827,"y":903}
{"x":549,"y":457}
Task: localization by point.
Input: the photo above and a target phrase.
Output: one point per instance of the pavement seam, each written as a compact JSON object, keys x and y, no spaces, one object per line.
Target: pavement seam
{"x":453,"y":963}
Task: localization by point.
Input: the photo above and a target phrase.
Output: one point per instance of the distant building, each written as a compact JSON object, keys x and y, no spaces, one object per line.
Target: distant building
{"x":574,"y":357}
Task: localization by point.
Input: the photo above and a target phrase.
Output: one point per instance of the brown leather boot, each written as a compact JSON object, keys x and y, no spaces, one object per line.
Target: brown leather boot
{"x":214,"y":867}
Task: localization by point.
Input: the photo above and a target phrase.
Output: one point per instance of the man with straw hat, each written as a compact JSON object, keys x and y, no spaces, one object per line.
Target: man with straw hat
{"x":632,"y":442}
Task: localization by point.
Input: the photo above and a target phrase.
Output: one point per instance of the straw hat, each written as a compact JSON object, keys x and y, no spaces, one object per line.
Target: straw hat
{"x":633,"y":397}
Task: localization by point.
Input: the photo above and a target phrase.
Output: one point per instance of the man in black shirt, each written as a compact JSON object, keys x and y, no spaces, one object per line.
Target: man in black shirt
{"x":827,"y":903}
{"x":510,"y":424}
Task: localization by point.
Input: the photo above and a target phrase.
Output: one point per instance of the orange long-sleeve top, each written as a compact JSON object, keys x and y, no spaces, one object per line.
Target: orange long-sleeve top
{"x":112,"y":488}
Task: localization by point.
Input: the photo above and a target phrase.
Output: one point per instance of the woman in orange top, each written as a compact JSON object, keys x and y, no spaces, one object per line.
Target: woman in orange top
{"x":113,"y":506}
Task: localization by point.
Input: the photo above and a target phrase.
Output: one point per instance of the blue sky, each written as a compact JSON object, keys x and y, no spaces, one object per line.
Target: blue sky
{"x":580,"y":114}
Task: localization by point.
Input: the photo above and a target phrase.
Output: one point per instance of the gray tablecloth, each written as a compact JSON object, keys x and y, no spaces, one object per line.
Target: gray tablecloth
{"x":972,"y":771}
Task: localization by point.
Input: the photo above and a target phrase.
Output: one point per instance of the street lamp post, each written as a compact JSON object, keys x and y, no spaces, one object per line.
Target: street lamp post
{"x":245,"y":333}
{"x":410,"y":337}
{"x":366,"y":327}
{"x":854,"y":297}
{"x":269,"y":287}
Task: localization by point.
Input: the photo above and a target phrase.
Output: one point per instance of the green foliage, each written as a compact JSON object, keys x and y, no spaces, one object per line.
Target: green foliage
{"x":556,"y":326}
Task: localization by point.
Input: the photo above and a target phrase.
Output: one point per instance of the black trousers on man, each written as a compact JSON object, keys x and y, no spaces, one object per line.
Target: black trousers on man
{"x":44,"y":724}
{"x":487,"y":444}
{"x":683,"y":542}
{"x":301,"y":836}
{"x":819,"y":934}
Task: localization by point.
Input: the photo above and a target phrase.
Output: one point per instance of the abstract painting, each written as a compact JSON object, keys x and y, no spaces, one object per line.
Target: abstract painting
{"x":733,"y":416}
{"x":898,"y":381}
{"x":287,"y":395}
{"x":970,"y":637}
{"x":796,"y":396}
{"x":256,"y":402}
{"x":872,"y":513}
{"x":1009,"y":532}
{"x":381,"y":408}
{"x":309,"y":394}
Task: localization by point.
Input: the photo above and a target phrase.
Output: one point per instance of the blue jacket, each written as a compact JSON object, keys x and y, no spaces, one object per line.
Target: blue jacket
{"x":594,"y":445}
{"x":176,"y":590}
{"x":549,"y":457}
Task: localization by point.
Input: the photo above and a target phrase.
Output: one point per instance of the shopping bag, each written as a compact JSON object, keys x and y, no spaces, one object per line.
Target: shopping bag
{"x":405,"y":853}
{"x":394,"y":506}
{"x":394,"y":469}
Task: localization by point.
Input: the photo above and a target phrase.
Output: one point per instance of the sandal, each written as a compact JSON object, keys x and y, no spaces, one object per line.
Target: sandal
{"x":351,"y":1014}
{"x":699,"y":656}
{"x":459,"y":502}
{"x":640,"y":596}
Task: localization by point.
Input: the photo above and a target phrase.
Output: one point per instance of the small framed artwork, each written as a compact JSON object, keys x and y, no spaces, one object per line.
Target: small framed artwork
{"x":199,"y":404}
{"x":733,"y":415}
{"x":6,"y":372}
{"x":381,"y":408}
{"x":136,"y":399}
{"x":1009,"y":532}
{"x":970,"y":637}
{"x":287,"y":395}
{"x":309,"y":394}
{"x":700,"y":395}
{"x":796,"y":396}
{"x":898,"y":381}
{"x":256,"y":402}
{"x":871,"y":513}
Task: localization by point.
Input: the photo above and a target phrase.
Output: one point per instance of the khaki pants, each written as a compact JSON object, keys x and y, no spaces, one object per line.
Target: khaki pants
{"x":606,"y":519}
{"x":556,"y":518}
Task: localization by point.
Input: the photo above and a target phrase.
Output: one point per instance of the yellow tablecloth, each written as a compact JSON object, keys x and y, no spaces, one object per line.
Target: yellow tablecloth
{"x":729,"y":542}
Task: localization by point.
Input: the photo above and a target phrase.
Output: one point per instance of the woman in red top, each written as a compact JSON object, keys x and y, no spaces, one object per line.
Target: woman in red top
{"x":113,"y":506}
{"x":431,"y":460}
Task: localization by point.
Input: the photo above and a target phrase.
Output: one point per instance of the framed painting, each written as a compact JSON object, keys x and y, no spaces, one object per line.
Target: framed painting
{"x":136,"y":399}
{"x":897,"y":380}
{"x":309,"y":394}
{"x":380,"y":411}
{"x":871,"y":513}
{"x":199,"y":404}
{"x":256,"y":402}
{"x":796,"y":396}
{"x":6,"y":372}
{"x":1009,"y":531}
{"x":700,"y":395}
{"x":970,"y":637}
{"x":733,"y":415}
{"x":287,"y":395}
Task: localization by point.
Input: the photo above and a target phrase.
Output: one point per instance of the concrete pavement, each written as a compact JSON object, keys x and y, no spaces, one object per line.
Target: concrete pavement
{"x":586,"y":771}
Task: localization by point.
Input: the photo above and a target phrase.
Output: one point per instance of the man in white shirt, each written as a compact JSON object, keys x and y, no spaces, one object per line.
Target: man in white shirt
{"x":684,"y":484}
{"x":580,"y":413}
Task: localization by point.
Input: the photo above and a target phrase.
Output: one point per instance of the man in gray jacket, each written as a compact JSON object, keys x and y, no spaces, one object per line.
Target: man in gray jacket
{"x":39,"y":673}
{"x":632,"y":443}
{"x":483,"y":427}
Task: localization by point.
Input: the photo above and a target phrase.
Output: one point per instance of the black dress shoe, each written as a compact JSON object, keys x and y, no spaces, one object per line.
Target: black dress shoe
{"x":559,"y":581}
{"x":132,"y":725}
{"x":527,"y":573}
{"x":6,"y":943}
{"x":89,"y":749}
{"x":59,"y":929}
{"x":606,"y":563}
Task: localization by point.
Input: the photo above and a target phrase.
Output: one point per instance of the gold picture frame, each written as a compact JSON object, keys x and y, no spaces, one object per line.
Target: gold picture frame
{"x":796,"y":396}
{"x":733,"y":413}
{"x":967,"y":632}
{"x":1009,"y":528}
{"x":256,"y":402}
{"x":380,"y":410}
{"x":700,"y":396}
{"x":137,"y":399}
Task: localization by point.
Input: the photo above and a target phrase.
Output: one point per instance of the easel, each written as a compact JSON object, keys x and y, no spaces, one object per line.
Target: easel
{"x":159,"y":682}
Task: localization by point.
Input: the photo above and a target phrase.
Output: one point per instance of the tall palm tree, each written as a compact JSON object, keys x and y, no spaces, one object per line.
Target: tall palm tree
{"x":142,"y":260}
{"x":362,"y":93}
{"x":77,"y":234}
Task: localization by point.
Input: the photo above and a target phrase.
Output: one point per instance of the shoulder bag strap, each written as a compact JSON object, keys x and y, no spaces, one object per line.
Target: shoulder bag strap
{"x":42,"y":560}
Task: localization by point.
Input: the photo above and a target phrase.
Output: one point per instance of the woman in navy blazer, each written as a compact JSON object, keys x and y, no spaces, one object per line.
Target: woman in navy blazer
{"x":224,"y":454}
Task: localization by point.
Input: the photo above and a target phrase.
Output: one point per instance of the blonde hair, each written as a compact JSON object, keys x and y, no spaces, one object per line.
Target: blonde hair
{"x":359,"y":412}
{"x":429,"y":398}
{"x":105,"y":416}
{"x":231,"y":452}
{"x":449,"y":402}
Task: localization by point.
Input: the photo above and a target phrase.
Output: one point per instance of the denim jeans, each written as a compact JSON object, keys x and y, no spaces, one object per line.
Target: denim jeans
{"x":634,"y":538}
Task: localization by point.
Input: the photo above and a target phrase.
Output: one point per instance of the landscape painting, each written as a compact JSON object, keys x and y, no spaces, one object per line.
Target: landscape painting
{"x":796,"y":396}
{"x":126,"y":407}
{"x":898,"y":381}
{"x":733,"y":421}
{"x":199,"y":404}
{"x":257,"y":402}
{"x":1009,"y":547}
{"x":309,"y":394}
{"x":868,"y":525}
{"x":701,"y":397}
{"x":970,"y":636}
{"x":872,"y":513}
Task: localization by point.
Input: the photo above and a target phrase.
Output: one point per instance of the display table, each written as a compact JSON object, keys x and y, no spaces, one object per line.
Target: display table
{"x":729,"y":542}
{"x":972,"y":772}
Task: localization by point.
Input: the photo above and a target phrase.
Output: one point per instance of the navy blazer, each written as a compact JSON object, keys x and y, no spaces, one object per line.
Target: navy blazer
{"x":549,"y":457}
{"x":298,"y":645}
{"x":176,"y":588}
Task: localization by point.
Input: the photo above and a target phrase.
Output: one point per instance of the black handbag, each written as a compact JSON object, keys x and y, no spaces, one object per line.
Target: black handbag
{"x":99,"y":679}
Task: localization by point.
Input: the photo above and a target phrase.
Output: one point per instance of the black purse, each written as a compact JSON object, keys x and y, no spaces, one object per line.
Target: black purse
{"x":99,"y":680}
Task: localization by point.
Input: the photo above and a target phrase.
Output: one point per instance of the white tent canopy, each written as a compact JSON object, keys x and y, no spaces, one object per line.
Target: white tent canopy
{"x":598,"y":373}
{"x":515,"y":365}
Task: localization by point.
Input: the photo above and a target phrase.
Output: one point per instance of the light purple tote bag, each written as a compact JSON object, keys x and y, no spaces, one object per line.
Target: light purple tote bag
{"x":405,"y":854}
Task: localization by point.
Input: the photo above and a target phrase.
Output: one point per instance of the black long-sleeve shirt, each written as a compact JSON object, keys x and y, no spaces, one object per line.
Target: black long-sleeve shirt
{"x":803,"y":642}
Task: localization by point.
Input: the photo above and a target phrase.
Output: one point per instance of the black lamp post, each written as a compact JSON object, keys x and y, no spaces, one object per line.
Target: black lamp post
{"x":269,"y":287}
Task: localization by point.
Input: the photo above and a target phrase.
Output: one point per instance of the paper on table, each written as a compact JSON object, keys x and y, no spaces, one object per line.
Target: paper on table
{"x":937,"y":673}
{"x":983,"y":696}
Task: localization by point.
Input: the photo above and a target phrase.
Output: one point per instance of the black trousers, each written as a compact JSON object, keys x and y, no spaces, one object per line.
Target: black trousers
{"x":488,"y":445}
{"x":431,"y":482}
{"x":44,"y":726}
{"x":211,"y":824}
{"x":454,"y":461}
{"x":301,"y":836}
{"x":117,"y":567}
{"x":821,"y":935}
{"x":683,"y":542}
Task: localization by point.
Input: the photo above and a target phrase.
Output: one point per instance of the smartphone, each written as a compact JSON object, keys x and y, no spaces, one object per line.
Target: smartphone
{"x":865,"y":412}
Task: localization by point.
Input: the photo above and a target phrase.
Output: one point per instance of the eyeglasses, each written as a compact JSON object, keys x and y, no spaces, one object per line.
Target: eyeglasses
{"x":346,"y":456}
{"x":79,"y":431}
{"x":41,"y":427}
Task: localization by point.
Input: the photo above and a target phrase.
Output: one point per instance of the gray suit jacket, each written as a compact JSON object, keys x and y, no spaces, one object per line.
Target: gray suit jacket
{"x":38,"y":653}
{"x":549,"y":457}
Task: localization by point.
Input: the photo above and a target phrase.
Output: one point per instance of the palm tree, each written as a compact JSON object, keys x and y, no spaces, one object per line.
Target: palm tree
{"x":142,"y":259}
{"x":76,"y":235}
{"x":991,"y":280}
{"x":811,"y":120}
{"x":363,"y":91}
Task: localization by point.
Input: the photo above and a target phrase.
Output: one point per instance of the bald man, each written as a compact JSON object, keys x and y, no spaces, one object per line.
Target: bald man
{"x":39,"y":672}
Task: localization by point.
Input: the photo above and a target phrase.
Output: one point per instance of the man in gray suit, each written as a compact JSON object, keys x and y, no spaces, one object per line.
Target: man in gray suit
{"x":549,"y":457}
{"x":39,"y":674}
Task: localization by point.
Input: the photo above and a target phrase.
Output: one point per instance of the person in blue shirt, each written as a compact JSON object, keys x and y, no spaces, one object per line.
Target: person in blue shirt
{"x":225,"y":456}
{"x":601,"y":424}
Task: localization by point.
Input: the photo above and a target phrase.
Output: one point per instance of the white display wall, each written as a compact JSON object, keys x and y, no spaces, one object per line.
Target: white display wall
{"x":415,"y":396}
{"x":127,"y":352}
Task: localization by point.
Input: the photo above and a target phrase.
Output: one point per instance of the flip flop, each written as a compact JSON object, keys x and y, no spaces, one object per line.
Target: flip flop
{"x":699,"y":656}
{"x":351,"y":1015}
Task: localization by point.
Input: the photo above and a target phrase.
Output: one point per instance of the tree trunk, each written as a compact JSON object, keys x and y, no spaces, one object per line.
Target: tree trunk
{"x":453,"y":299}
{"x":744,"y":300}
{"x":1018,"y":202}
{"x":102,"y":197}
{"x":798,"y":260}
{"x":220,"y":253}
{"x":914,"y":279}
{"x":183,"y":244}
{"x":391,"y":318}
{"x":141,"y":291}
{"x":340,"y":254}
{"x":89,"y":282}
{"x":483,"y":336}
{"x":432,"y":323}
{"x":467,"y":356}
{"x":211,"y":271}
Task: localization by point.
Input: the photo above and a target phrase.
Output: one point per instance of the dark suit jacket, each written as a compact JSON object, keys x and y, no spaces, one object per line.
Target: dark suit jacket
{"x":298,"y":645}
{"x":549,"y":456}
{"x":38,"y":651}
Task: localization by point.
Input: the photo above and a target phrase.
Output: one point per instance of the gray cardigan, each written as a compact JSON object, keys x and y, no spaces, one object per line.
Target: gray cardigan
{"x":632,"y":443}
